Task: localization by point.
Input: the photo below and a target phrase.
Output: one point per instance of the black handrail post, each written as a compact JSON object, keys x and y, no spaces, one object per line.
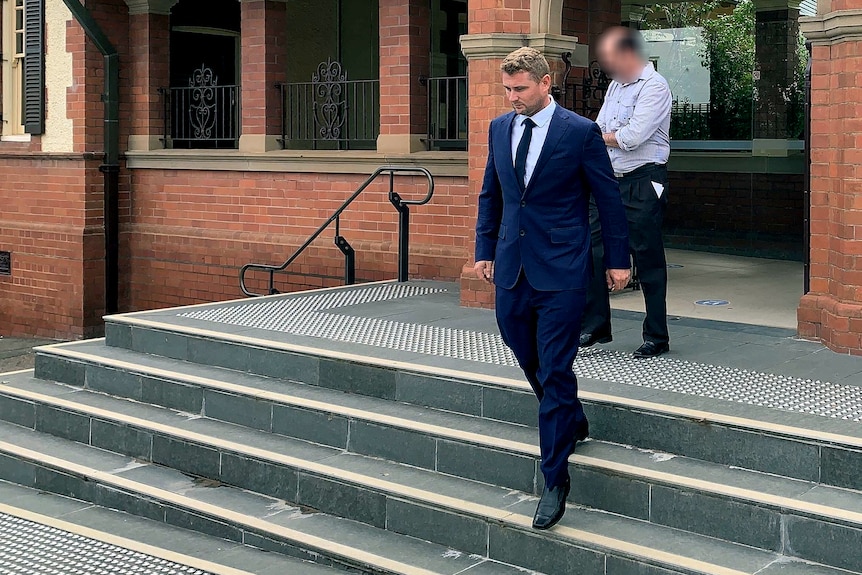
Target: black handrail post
{"x":403,"y":230}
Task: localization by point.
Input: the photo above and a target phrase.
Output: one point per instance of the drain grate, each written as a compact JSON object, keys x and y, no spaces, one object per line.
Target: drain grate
{"x":307,"y":316}
{"x":28,"y":548}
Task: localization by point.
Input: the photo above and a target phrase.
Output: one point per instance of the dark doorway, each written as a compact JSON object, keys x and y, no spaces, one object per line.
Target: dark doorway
{"x":204,"y":93}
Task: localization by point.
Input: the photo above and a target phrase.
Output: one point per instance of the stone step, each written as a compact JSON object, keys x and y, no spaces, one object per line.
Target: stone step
{"x":746,"y":507}
{"x":175,"y":500}
{"x":797,"y":445}
{"x":480,"y":519}
{"x":109,"y":539}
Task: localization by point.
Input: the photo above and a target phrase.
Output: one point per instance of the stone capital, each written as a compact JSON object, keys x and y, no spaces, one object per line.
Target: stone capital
{"x":486,"y":46}
{"x":832,"y":28}
{"x":161,"y":7}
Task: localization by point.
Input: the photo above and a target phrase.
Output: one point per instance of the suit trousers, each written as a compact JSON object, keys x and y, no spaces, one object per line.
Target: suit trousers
{"x":542,"y":330}
{"x":645,"y":209}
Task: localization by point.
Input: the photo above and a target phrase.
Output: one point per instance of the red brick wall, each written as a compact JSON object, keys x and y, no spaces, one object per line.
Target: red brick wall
{"x":264,"y":65}
{"x":746,"y":213}
{"x":52,"y":290}
{"x":149,"y":60}
{"x":52,"y":215}
{"x":189,"y":232}
{"x":832,"y":311}
{"x":586,"y":20}
{"x":495,"y":16}
{"x":405,"y":46}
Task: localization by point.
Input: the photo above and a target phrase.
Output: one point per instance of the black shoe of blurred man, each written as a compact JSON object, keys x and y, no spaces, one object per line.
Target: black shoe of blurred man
{"x":651,"y":349}
{"x":552,"y":506}
{"x":583,"y":431}
{"x":590,"y":339}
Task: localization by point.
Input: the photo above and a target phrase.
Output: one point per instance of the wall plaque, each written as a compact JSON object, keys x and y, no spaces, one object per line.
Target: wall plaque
{"x":5,"y":263}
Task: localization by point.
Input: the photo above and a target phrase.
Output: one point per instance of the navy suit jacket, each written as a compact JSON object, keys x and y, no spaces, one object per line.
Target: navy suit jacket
{"x":545,"y":229}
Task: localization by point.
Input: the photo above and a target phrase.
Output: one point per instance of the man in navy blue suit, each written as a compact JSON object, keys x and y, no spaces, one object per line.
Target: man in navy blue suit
{"x":533,"y":244}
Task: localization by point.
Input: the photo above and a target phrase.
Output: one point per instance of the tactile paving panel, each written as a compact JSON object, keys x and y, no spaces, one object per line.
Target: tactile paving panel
{"x":307,"y":316}
{"x":28,"y":548}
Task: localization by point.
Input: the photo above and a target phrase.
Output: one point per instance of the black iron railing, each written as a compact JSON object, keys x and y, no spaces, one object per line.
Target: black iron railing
{"x":203,"y":114}
{"x":690,"y":121}
{"x":400,"y":204}
{"x":330,"y":111}
{"x":447,"y":112}
{"x":582,"y":94}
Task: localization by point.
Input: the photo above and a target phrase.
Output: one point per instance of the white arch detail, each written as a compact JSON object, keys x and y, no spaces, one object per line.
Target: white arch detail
{"x":546,"y":16}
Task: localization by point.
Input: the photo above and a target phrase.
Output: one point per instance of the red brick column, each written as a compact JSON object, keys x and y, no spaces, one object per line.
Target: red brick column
{"x":264,"y":65}
{"x":149,"y":64}
{"x":405,"y":46}
{"x":496,"y":27}
{"x":832,"y":310}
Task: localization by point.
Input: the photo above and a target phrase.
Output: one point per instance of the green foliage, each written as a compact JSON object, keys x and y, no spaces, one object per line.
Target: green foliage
{"x":729,"y":55}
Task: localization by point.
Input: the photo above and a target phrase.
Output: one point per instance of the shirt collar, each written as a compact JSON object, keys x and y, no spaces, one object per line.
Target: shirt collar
{"x":645,"y":74}
{"x":541,"y":117}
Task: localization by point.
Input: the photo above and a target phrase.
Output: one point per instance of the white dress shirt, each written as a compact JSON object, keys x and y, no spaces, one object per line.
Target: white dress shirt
{"x":542,"y":119}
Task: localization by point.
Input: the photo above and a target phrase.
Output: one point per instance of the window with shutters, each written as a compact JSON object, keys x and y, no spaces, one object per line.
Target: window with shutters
{"x":23,"y":68}
{"x":13,"y":67}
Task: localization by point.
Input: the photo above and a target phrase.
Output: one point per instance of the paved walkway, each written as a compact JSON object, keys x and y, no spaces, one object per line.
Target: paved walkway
{"x":17,"y":353}
{"x":28,"y":548}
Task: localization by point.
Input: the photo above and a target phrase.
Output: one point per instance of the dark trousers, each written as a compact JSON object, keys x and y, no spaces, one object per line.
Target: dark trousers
{"x":542,"y":329}
{"x":645,"y":214}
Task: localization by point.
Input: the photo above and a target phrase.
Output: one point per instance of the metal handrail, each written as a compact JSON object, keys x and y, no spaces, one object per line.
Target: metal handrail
{"x":399,"y":203}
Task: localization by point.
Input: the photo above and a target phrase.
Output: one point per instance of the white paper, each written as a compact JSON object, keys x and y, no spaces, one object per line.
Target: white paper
{"x":659,"y":189}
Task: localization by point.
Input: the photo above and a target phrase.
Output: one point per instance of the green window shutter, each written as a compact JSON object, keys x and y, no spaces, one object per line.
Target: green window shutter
{"x":34,"y":66}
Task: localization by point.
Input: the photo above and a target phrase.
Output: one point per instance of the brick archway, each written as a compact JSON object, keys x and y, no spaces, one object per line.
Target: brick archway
{"x":546,"y":16}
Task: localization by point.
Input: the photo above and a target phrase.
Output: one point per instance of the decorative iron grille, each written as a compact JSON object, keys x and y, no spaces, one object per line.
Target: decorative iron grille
{"x":447,"y":112}
{"x":203,"y":114}
{"x":330,"y":110}
{"x":583,"y":93}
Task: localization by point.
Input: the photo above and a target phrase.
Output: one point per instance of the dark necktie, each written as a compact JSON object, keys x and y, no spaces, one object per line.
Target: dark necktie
{"x":521,"y":155}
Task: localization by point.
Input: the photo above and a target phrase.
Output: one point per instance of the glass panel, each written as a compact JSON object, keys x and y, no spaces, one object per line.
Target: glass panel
{"x":730,"y":78}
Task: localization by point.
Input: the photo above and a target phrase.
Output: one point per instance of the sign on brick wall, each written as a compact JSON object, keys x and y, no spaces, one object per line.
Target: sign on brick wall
{"x":5,"y":263}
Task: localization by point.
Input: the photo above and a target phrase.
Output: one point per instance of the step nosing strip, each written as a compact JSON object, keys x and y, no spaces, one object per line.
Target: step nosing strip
{"x":122,"y":542}
{"x":667,"y":478}
{"x":17,"y":372}
{"x":575,"y":536}
{"x":338,"y":550}
{"x":135,"y":314}
{"x":785,"y":503}
{"x":311,"y":404}
{"x":801,"y":433}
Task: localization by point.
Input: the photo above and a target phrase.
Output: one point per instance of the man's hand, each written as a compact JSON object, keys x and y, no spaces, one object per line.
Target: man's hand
{"x":618,"y":279}
{"x":485,"y":271}
{"x":610,"y":139}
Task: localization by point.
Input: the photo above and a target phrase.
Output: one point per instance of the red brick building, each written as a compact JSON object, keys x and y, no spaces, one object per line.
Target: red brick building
{"x":245,"y":124}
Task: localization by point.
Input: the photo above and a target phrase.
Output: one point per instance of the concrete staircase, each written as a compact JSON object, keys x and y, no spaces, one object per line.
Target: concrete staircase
{"x":377,"y":466}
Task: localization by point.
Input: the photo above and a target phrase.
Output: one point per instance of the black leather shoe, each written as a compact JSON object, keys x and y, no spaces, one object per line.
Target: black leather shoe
{"x":651,"y":349}
{"x":583,"y":431}
{"x":551,"y":507}
{"x":589,"y":339}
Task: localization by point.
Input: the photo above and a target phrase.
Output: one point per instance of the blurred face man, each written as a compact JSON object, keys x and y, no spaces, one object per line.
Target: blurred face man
{"x":619,"y":55}
{"x":527,"y":81}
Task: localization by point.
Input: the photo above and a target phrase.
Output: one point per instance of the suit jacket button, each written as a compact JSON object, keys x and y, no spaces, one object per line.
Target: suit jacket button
{"x":522,"y":233}
{"x":523,"y":204}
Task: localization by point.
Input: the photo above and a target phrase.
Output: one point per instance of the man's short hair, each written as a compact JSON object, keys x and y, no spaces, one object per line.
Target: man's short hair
{"x":526,"y":59}
{"x":626,"y":39}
